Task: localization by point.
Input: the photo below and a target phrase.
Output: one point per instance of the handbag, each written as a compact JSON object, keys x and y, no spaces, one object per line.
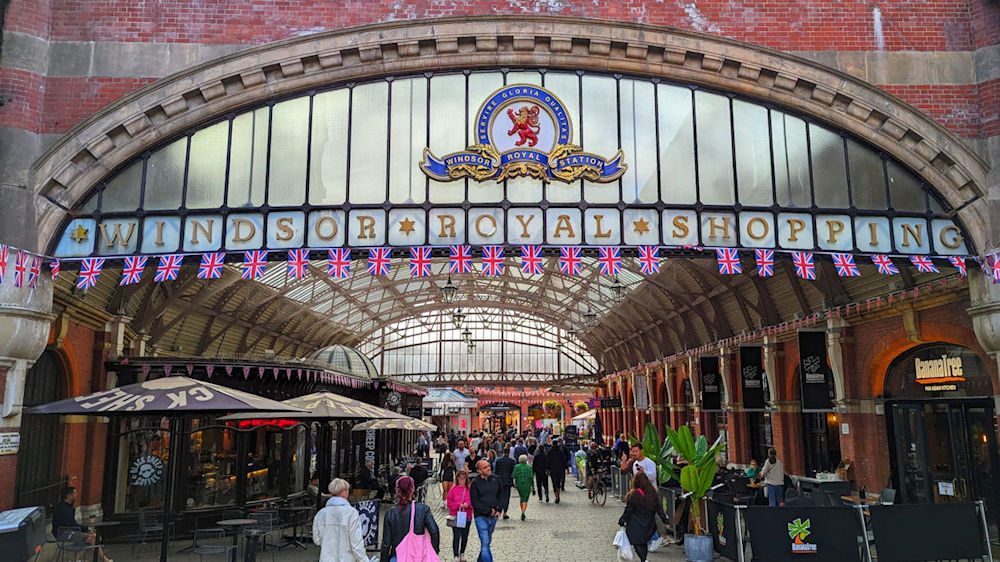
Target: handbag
{"x":414,"y":547}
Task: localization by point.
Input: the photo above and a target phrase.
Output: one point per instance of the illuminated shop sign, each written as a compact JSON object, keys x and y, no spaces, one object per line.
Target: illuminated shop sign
{"x":940,"y":373}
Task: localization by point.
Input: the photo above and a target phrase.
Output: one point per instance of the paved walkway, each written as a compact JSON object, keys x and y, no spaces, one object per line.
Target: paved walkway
{"x":573,"y":531}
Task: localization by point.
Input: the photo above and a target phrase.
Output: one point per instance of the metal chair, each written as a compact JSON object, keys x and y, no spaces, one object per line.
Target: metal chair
{"x":267,"y":523}
{"x":887,"y":496}
{"x":151,"y":525}
{"x":211,"y":542}
{"x":72,"y":541}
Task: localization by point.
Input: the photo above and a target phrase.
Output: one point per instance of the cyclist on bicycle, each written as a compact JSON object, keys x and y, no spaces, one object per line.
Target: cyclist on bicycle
{"x":593,"y":466}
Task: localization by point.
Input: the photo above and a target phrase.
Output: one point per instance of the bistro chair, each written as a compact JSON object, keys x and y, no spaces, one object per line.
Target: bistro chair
{"x":151,"y":526}
{"x":73,"y":542}
{"x":267,"y":523}
{"x":211,"y":542}
{"x":887,"y":496}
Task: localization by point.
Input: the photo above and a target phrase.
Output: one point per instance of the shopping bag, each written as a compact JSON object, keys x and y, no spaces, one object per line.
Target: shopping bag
{"x":462,"y":519}
{"x":655,"y":542}
{"x":625,"y":551}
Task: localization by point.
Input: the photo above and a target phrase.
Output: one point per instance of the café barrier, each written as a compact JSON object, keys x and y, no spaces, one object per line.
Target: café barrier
{"x":725,"y":523}
{"x":817,"y":533}
{"x":368,"y":513}
{"x":930,"y":531}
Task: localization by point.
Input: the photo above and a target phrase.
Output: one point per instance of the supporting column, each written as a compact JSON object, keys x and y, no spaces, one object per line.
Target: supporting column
{"x":25,"y":319}
{"x":786,"y":427}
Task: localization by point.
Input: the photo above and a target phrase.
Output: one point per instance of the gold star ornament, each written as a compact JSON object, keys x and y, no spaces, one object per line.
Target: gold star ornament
{"x":78,"y":234}
{"x":641,"y":226}
{"x":406,"y":226}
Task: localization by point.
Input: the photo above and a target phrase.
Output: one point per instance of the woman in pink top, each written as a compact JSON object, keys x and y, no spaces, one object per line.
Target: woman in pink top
{"x":460,"y":500}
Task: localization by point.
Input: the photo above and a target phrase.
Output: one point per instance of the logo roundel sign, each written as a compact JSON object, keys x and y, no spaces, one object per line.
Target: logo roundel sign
{"x":146,"y":470}
{"x":523,"y":130}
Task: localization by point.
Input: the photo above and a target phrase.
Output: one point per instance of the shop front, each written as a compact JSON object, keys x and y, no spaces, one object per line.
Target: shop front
{"x":942,"y":427}
{"x":498,"y":417}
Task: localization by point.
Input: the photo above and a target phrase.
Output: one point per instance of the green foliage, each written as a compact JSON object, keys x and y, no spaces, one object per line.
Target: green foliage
{"x":699,"y":471}
{"x":661,"y":453}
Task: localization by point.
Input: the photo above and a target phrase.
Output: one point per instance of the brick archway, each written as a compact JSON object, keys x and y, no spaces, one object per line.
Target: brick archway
{"x":69,"y":170}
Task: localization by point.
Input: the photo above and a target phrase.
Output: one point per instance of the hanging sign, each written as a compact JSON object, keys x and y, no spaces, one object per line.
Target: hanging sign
{"x":640,"y":392}
{"x":816,"y":377}
{"x":752,"y":377}
{"x":711,"y":384}
{"x":611,"y":403}
{"x":523,"y":130}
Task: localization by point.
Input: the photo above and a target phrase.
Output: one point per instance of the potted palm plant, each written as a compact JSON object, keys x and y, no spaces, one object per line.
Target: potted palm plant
{"x":695,"y":476}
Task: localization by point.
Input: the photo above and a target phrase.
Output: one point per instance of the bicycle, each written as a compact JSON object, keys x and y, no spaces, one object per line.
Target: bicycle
{"x":598,"y":491}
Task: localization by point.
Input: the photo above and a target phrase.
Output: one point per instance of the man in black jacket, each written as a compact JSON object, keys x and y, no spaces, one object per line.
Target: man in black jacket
{"x":504,"y":468}
{"x":419,"y":475}
{"x":558,"y":461}
{"x":64,"y":519}
{"x":485,"y":494}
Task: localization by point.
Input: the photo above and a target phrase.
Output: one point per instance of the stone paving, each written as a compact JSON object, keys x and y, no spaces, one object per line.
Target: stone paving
{"x":573,"y":531}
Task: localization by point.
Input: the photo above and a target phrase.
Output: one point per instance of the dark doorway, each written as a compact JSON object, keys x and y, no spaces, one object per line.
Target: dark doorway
{"x":761,"y":436}
{"x":39,"y":478}
{"x":821,"y":440}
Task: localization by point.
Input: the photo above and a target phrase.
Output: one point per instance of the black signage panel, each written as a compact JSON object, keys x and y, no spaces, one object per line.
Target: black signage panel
{"x":814,"y":533}
{"x":722,"y":526}
{"x":815,"y":373}
{"x":927,"y":531}
{"x":413,"y":411}
{"x":752,"y":377}
{"x":711,"y":384}
{"x":611,"y":403}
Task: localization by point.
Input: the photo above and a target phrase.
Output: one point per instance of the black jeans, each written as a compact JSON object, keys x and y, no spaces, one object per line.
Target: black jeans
{"x":542,"y":483}
{"x":641,"y":550}
{"x":460,"y":537}
{"x":504,"y":498}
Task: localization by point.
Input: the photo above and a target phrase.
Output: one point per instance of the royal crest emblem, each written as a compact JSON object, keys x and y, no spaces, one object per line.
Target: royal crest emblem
{"x":523,"y":130}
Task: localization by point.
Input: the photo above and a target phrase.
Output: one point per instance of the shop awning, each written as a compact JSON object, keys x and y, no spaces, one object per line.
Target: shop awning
{"x":588,"y":415}
{"x":323,"y":405}
{"x":396,"y":423}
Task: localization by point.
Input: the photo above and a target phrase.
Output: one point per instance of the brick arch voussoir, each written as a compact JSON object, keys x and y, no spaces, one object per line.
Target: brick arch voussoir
{"x":70,"y":169}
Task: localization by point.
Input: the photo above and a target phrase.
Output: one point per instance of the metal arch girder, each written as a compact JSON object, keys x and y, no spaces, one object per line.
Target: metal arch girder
{"x":786,"y":268}
{"x":208,"y":291}
{"x":174,"y":290}
{"x":719,"y":320}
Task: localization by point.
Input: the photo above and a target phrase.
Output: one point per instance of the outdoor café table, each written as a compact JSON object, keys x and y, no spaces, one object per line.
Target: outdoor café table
{"x":295,"y":510}
{"x":98,"y":525}
{"x":856,"y":500}
{"x":235,"y":524}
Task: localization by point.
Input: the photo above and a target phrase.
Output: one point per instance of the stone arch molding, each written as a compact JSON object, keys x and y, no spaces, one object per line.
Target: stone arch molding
{"x":168,"y":107}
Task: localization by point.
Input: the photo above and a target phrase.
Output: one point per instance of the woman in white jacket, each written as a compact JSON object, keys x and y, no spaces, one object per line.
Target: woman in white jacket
{"x":337,"y":528}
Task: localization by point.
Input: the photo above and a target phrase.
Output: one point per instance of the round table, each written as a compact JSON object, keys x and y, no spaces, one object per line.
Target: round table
{"x":235,"y":524}
{"x":98,"y":525}
{"x":295,"y":510}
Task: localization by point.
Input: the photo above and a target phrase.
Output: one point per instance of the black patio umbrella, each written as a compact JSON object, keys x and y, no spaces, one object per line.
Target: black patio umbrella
{"x":172,"y":397}
{"x":598,"y":429}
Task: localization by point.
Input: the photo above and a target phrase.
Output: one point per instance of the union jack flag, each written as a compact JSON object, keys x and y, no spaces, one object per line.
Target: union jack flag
{"x":610,"y":260}
{"x":378,"y":261}
{"x":531,"y":260}
{"x":420,"y":261}
{"x":570,"y":261}
{"x":36,"y":266}
{"x":168,"y":268}
{"x":959,"y":264}
{"x":923,"y":264}
{"x":211,"y":265}
{"x":493,"y":260}
{"x":884,"y":264}
{"x":338,"y":263}
{"x":765,"y":262}
{"x":805,"y":267}
{"x":845,"y":265}
{"x":53,"y":265}
{"x":90,"y":268}
{"x":254,"y":264}
{"x":20,"y":268}
{"x":298,"y":263}
{"x":649,"y":259}
{"x":995,"y":261}
{"x":132,"y":269}
{"x":461,"y":258}
{"x":4,"y":254}
{"x":729,"y":261}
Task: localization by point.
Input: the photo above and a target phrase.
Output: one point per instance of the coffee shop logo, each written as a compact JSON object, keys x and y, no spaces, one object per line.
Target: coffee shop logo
{"x":523,"y":130}
{"x":145,"y":471}
{"x":798,"y":530}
